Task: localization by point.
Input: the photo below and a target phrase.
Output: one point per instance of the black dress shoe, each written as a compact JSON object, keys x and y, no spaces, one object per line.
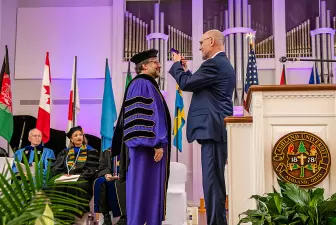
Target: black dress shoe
{"x":107,"y":219}
{"x":122,"y":221}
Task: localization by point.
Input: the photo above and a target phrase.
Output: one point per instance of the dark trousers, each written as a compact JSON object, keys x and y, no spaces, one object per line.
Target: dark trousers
{"x":109,"y":196}
{"x":214,"y":156}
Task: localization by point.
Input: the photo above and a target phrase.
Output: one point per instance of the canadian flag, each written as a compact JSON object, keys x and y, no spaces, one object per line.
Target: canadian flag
{"x":73,"y":100}
{"x":43,"y":116}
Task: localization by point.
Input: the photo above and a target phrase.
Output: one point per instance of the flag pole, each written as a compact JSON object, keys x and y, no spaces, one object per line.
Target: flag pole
{"x":7,"y":153}
{"x":101,"y":141}
{"x":284,"y":69}
{"x":314,"y":73}
{"x":21,"y":137}
{"x":176,"y":137}
{"x":74,"y":95}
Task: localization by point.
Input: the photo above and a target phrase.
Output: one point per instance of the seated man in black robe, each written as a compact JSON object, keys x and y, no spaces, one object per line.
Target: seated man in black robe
{"x":79,"y":159}
{"x":109,"y":192}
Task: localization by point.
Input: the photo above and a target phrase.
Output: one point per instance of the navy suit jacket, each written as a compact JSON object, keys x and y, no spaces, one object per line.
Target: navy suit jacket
{"x":212,"y":86}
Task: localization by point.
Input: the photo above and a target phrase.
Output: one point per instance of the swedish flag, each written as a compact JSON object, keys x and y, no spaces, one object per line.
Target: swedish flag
{"x":179,"y":119}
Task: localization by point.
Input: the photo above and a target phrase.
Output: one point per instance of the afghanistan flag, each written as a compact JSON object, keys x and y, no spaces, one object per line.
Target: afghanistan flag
{"x":6,"y":116}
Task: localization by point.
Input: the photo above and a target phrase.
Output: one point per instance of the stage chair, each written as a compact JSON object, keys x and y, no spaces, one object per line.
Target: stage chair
{"x":176,"y":195}
{"x":3,"y":165}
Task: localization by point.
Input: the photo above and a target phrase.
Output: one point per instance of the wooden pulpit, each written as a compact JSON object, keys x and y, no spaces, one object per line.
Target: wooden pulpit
{"x":289,"y":132}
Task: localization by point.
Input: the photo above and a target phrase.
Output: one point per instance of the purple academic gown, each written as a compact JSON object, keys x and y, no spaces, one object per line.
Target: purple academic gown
{"x":145,"y":127}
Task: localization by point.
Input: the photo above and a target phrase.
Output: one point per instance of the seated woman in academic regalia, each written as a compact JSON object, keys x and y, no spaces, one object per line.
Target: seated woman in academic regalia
{"x":45,"y":156}
{"x":109,"y":192}
{"x":79,"y":159}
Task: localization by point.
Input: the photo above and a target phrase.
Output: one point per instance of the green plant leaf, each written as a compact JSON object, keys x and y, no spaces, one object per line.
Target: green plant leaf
{"x":25,"y":198}
{"x":274,"y":203}
{"x":326,"y":207}
{"x":259,"y":198}
{"x":37,"y":170}
{"x":278,"y":202}
{"x":262,"y":201}
{"x":254,"y":213}
{"x":250,"y":219}
{"x":282,"y":185}
{"x":331,"y":221}
{"x":293,"y":205}
{"x":29,"y":175}
{"x":317,"y":196}
{"x":10,"y":195}
{"x":268,"y":219}
{"x":23,"y":179}
{"x":4,"y":205}
{"x":296,"y":223}
{"x":301,"y":217}
{"x":280,"y":219}
{"x":296,"y":194}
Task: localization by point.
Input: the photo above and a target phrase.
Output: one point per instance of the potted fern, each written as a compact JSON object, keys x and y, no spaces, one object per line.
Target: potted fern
{"x":30,"y":197}
{"x":292,"y":205}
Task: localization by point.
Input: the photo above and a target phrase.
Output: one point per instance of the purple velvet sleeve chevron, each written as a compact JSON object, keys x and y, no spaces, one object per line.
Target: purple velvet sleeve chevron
{"x":144,"y":119}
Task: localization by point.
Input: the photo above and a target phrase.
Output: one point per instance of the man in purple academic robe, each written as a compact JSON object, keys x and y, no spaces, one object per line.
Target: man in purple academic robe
{"x":143,"y":136}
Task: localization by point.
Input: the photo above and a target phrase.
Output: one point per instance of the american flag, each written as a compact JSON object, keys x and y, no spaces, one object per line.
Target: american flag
{"x":251,"y":73}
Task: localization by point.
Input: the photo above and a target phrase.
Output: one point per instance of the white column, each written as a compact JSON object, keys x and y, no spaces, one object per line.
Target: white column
{"x":118,"y":11}
{"x":279,"y":31}
{"x":258,"y":143}
{"x":197,"y":31}
{"x":238,"y":44}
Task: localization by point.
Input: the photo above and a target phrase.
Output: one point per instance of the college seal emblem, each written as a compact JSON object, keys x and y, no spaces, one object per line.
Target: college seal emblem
{"x":301,"y":158}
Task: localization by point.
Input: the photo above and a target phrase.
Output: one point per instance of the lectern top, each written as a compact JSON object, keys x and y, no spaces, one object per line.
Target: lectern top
{"x":290,"y":87}
{"x":238,"y":119}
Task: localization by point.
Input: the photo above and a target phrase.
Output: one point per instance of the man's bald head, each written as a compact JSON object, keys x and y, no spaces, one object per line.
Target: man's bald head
{"x":35,"y":137}
{"x":216,"y":35}
{"x":211,"y":42}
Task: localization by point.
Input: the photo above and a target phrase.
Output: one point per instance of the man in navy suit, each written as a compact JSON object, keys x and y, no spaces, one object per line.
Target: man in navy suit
{"x":212,"y":86}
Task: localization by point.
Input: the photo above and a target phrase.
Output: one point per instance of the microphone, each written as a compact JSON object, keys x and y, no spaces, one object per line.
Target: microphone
{"x":284,"y":59}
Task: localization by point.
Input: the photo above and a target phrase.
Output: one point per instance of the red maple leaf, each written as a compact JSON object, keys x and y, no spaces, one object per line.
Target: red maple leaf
{"x":47,"y":88}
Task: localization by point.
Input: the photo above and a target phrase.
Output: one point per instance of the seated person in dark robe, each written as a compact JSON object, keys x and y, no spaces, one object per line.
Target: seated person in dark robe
{"x":44,"y":155}
{"x":79,"y":159}
{"x":109,"y":192}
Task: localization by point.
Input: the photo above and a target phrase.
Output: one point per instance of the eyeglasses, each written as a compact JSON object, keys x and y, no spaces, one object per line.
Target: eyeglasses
{"x":154,"y":61}
{"x":36,"y":136}
{"x":201,"y":42}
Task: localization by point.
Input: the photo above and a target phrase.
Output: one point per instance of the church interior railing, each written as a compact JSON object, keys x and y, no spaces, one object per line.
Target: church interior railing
{"x":136,"y":31}
{"x":298,"y":41}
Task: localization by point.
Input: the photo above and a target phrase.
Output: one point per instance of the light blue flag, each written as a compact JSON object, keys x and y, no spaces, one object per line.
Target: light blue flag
{"x":109,"y":112}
